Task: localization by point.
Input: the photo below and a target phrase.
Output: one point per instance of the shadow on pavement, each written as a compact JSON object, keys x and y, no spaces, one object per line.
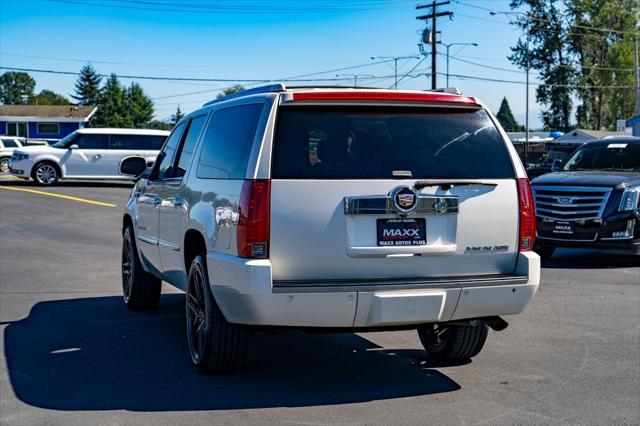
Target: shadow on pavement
{"x":589,"y":259}
{"x":69,"y":184}
{"x":94,"y":354}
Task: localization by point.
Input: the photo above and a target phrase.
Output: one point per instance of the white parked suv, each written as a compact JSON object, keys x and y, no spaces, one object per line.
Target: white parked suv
{"x":7,"y":145}
{"x":86,"y":154}
{"x":334,"y":208}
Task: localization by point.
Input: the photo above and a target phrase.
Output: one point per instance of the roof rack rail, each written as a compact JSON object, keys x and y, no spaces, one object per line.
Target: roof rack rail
{"x":453,"y":90}
{"x":276,"y":87}
{"x":316,"y":86}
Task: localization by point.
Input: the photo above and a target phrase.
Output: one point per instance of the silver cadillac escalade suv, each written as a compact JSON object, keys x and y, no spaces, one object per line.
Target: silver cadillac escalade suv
{"x":333,"y":208}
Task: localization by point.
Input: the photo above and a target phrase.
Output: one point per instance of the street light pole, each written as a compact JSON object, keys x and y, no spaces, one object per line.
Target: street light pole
{"x":448,"y":46}
{"x":395,"y":73}
{"x":526,"y":102}
{"x":355,"y":77}
{"x":526,"y":112}
{"x":395,"y":64}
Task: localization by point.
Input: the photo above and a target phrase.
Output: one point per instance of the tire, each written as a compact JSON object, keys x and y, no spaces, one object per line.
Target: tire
{"x":453,"y":342}
{"x":141,"y":290}
{"x":46,"y":173}
{"x":215,"y":346}
{"x":545,"y":252}
{"x":4,"y":164}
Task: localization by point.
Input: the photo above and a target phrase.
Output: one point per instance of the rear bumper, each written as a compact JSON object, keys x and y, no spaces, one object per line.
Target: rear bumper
{"x":246,"y":295}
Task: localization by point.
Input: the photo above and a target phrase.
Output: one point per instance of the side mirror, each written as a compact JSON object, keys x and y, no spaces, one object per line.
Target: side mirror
{"x":74,"y":146}
{"x":133,"y":166}
{"x":557,"y":164}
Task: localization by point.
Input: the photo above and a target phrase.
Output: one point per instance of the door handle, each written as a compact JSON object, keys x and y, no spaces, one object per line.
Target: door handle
{"x":97,"y":156}
{"x":149,"y":199}
{"x":177,"y":202}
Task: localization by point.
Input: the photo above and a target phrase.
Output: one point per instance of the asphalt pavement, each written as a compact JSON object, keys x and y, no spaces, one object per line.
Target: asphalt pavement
{"x":71,"y":352}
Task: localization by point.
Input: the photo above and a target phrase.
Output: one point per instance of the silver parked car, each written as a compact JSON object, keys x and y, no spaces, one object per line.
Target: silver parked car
{"x":342,"y":209}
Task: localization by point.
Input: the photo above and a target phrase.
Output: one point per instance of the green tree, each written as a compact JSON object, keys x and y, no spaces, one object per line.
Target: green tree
{"x":231,"y":90}
{"x":16,"y":88}
{"x":112,"y":105}
{"x":604,"y":59}
{"x":139,"y":106}
{"x":550,"y":56}
{"x":175,"y":118}
{"x":49,"y":97}
{"x":159,"y":125}
{"x":87,"y":87}
{"x":506,"y":118}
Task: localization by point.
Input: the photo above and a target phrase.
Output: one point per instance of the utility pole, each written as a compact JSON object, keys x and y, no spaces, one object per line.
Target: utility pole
{"x":635,"y":59}
{"x":433,"y":16}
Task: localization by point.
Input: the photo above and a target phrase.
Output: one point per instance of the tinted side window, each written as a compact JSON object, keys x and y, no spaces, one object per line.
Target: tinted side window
{"x":9,"y":143}
{"x":125,"y":142}
{"x":165,"y":158}
{"x":153,"y":143}
{"x":228,"y":141}
{"x":189,"y":145}
{"x":91,"y":141}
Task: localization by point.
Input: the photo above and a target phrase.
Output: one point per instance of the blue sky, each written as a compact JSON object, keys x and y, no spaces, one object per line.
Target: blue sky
{"x":251,"y":39}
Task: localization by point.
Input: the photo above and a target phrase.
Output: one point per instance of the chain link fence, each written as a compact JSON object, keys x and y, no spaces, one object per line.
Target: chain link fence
{"x":538,"y":157}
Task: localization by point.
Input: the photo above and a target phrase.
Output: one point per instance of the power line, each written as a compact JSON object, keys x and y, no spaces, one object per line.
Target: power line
{"x":457,"y":58}
{"x":484,"y":66}
{"x":164,"y":65}
{"x":291,"y":78}
{"x":607,"y":30}
{"x":573,"y":86}
{"x":234,"y":8}
{"x":410,"y":71}
{"x":144,"y":77}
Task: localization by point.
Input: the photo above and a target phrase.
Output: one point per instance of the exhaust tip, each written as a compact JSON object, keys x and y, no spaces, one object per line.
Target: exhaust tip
{"x":496,"y":323}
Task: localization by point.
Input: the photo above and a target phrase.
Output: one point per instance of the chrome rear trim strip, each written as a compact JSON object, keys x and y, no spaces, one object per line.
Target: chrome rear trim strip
{"x":399,"y":284}
{"x":382,"y":204}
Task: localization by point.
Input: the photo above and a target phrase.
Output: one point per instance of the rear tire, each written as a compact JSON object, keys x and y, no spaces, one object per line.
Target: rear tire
{"x":46,"y":173}
{"x":215,"y":345}
{"x":545,"y":252}
{"x":141,"y":290}
{"x":453,"y":342}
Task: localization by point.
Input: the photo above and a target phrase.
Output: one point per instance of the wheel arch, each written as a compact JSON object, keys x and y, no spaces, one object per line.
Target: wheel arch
{"x":194,"y":244}
{"x":126,"y":221}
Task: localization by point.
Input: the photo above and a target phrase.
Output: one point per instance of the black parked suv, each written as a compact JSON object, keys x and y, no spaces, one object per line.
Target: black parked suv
{"x":592,"y":199}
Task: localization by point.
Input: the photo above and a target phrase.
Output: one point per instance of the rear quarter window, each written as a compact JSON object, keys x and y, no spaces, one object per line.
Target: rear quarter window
{"x":372,"y":142}
{"x":227,"y":142}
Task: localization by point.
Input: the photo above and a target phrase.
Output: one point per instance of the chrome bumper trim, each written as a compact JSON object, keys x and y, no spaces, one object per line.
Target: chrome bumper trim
{"x":383,"y":204}
{"x":320,"y":286}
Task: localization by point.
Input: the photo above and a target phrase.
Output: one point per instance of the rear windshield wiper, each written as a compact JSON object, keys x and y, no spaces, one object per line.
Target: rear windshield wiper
{"x":448,"y":185}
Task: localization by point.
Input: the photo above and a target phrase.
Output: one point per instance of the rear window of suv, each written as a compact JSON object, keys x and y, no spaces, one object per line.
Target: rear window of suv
{"x":333,"y":142}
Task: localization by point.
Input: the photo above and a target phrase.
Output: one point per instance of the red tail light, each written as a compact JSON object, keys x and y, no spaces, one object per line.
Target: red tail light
{"x":253,"y":221}
{"x":527,"y":216}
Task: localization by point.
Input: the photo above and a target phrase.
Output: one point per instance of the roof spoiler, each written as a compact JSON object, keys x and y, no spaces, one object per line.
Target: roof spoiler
{"x":280,"y":87}
{"x":277,"y":87}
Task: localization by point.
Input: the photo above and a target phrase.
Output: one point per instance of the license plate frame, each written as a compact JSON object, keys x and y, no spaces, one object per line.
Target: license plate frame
{"x":401,"y":232}
{"x":562,"y":228}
